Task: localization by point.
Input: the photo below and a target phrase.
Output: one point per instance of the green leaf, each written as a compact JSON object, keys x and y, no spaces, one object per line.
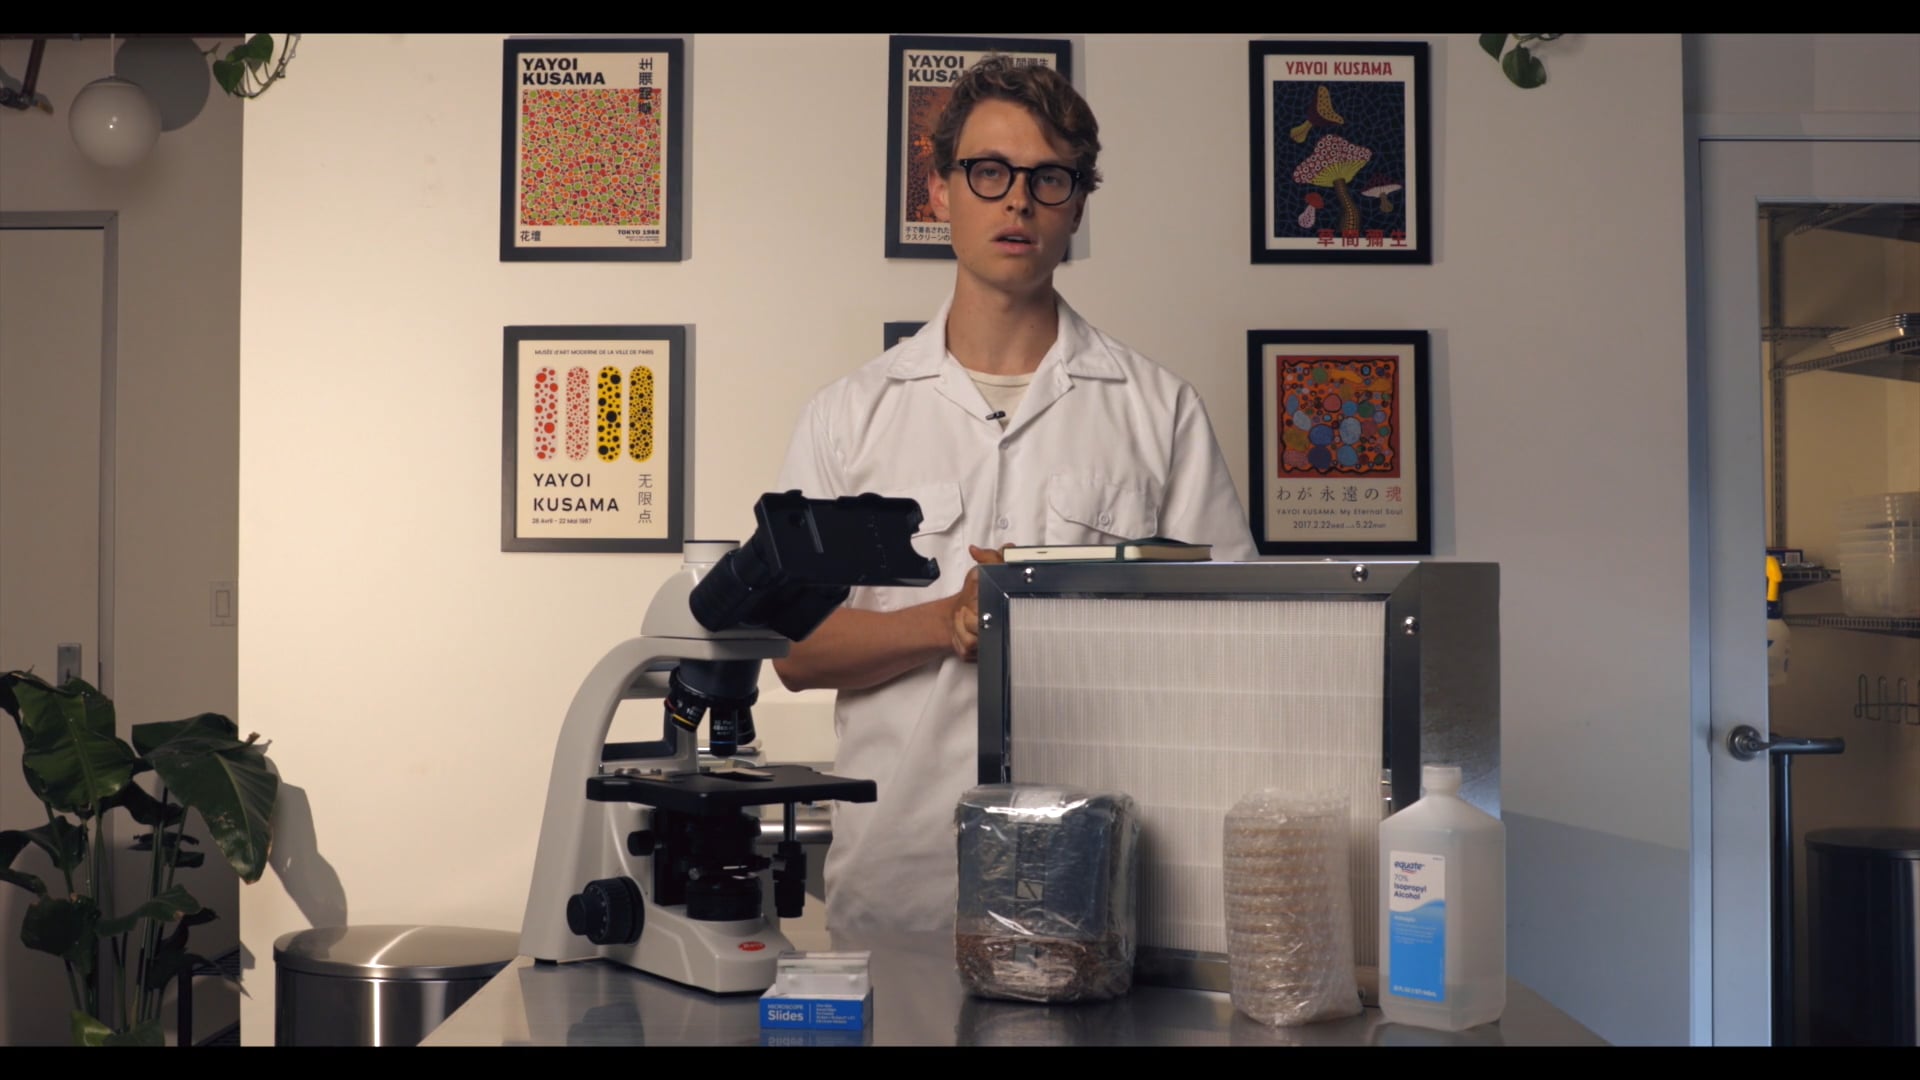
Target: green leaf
{"x":258,"y":51}
{"x":169,"y":966}
{"x":64,"y":843}
{"x":144,"y":842}
{"x":145,"y":1033}
{"x":57,"y":834}
{"x":164,"y":908}
{"x":232,"y":787}
{"x":71,"y":748}
{"x":145,"y":809}
{"x":1524,"y":69}
{"x":12,"y":843}
{"x":1493,"y":43}
{"x":89,"y":1032}
{"x":64,"y":928}
{"x":172,"y":842}
{"x":9,"y":703}
{"x":150,"y":737}
{"x":26,"y":881}
{"x":172,"y":956}
{"x":228,"y":74}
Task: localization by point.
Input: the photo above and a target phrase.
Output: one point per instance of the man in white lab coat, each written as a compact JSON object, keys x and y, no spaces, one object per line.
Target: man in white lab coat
{"x":1010,"y":420}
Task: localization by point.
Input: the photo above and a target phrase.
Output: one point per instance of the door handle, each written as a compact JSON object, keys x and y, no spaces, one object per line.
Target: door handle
{"x":1746,"y":743}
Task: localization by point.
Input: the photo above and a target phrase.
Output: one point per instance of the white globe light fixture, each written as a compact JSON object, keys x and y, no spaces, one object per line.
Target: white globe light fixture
{"x":113,"y":122}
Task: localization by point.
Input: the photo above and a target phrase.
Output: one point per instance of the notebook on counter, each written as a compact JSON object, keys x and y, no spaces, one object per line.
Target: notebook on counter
{"x":1145,"y":549}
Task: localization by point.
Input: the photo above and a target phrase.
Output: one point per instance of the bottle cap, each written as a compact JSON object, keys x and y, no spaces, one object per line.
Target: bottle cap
{"x":1439,"y":779}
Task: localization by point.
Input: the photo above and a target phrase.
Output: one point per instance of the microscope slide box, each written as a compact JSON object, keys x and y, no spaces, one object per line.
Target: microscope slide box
{"x":821,"y":1013}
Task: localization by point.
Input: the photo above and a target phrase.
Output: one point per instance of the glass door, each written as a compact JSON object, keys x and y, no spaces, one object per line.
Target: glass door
{"x":1840,"y":290}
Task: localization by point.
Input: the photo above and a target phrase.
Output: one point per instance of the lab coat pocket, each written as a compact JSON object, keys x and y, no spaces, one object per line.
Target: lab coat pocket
{"x":940,"y":506}
{"x":1087,"y":510}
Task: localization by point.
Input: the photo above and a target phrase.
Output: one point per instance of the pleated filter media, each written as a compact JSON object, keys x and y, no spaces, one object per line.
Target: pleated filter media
{"x":1188,"y":705}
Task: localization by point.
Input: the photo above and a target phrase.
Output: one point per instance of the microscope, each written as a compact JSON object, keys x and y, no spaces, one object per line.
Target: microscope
{"x":646,"y":852}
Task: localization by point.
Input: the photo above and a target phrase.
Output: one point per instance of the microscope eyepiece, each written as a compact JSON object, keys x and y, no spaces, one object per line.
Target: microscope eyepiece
{"x":805,"y":556}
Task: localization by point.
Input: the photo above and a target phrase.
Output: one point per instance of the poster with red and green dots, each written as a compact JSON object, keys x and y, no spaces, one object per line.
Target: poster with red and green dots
{"x":591,"y":150}
{"x":1339,"y":152}
{"x":1339,"y":441}
{"x":593,"y":457}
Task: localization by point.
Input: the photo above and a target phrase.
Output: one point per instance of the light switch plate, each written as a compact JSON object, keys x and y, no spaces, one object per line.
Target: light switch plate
{"x":224,"y":599}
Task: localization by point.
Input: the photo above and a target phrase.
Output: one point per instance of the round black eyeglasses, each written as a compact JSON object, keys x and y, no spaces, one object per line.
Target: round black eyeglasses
{"x":992,"y":178}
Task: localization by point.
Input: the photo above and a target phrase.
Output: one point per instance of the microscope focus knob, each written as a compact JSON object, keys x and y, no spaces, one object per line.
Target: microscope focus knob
{"x":607,"y":912}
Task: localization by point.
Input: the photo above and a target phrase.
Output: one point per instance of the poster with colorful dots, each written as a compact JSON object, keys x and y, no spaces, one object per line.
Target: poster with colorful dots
{"x":591,"y":150}
{"x":1337,"y":425}
{"x":921,"y":72}
{"x":592,"y":453}
{"x":1338,"y":152}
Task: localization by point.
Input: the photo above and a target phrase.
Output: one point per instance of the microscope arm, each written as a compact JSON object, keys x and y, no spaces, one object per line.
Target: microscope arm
{"x":570,"y":852}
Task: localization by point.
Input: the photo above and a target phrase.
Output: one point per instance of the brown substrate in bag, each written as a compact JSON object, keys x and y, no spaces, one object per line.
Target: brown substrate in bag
{"x":1025,"y":968}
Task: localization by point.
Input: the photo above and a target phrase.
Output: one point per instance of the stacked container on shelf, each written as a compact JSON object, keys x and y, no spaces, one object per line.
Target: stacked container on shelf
{"x":1879,"y":554}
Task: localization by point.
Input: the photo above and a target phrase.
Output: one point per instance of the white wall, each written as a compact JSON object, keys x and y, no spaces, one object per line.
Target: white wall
{"x":414,"y":677}
{"x":178,"y":404}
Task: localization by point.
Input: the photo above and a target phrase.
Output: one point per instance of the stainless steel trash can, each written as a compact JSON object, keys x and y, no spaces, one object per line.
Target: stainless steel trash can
{"x":388,"y":985}
{"x":1863,"y":937}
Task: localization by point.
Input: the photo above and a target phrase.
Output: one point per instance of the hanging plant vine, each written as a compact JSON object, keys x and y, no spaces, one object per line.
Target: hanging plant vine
{"x":1523,"y":68}
{"x":243,"y":71}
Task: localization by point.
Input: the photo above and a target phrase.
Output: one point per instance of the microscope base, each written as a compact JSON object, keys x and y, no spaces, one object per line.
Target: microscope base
{"x":717,"y":957}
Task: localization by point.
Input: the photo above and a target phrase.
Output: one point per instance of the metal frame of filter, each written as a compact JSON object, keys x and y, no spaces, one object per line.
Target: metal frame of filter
{"x":1441,"y":701}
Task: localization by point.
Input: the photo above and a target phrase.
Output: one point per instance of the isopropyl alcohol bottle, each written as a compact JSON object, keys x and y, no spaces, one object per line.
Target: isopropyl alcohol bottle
{"x":1443,"y":909}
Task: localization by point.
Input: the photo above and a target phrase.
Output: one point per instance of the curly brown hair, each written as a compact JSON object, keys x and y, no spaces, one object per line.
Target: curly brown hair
{"x":1043,"y":91}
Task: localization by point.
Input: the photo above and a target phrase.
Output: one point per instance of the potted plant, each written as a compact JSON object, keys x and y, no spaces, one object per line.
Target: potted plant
{"x":121,"y":951}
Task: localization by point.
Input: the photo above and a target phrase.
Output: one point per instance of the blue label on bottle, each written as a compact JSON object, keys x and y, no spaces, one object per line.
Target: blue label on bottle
{"x":1417,"y":926}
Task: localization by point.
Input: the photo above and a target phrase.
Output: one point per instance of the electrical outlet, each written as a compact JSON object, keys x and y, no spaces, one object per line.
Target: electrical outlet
{"x":224,"y":598}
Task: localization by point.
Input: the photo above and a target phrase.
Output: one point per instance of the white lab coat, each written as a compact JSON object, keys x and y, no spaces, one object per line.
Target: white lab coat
{"x":1106,"y":445}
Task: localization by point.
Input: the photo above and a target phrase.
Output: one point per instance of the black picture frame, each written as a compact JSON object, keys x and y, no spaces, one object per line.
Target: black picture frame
{"x":584,"y":472}
{"x":927,"y":239}
{"x":1328,"y":107}
{"x":633,"y":239}
{"x":894,"y":333}
{"x":1327,"y":498}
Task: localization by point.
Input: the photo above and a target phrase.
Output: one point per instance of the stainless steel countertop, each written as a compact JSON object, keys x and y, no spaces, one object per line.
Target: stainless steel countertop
{"x":918,"y":1000}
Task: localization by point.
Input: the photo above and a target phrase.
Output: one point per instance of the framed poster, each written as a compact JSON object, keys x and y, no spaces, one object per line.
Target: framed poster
{"x":1337,"y":424}
{"x":591,"y":137}
{"x":896,"y":332}
{"x":1338,"y":152}
{"x":593,"y":456}
{"x":921,"y":72}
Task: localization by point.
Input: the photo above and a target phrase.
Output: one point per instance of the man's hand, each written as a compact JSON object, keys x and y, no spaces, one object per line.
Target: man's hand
{"x":965,"y":620}
{"x":858,"y":650}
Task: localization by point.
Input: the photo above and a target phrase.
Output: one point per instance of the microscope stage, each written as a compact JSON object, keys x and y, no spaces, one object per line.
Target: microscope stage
{"x":724,"y":792}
